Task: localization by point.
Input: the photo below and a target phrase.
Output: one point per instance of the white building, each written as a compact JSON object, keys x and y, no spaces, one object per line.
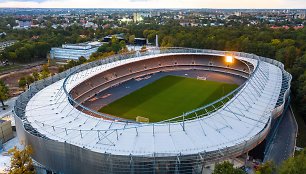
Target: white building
{"x":91,"y":25}
{"x":23,"y":24}
{"x":2,"y":34}
{"x":300,"y":15}
{"x":138,"y":17}
{"x":126,"y":20}
{"x":238,"y":13}
{"x":74,"y":51}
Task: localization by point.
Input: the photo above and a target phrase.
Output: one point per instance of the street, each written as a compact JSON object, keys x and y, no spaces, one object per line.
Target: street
{"x":283,"y":144}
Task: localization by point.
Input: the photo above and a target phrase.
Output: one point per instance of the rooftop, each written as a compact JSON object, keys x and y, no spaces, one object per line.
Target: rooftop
{"x":235,"y":123}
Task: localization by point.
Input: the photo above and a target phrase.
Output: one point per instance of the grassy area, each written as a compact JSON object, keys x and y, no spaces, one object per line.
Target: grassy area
{"x":301,"y":138}
{"x":9,"y":67}
{"x":168,"y":97}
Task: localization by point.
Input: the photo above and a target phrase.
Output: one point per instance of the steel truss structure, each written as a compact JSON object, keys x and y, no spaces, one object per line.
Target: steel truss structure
{"x":67,"y":137}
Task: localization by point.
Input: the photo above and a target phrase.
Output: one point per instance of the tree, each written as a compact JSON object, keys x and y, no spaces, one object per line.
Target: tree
{"x":288,"y":55}
{"x":35,"y":74}
{"x":301,"y":92}
{"x":168,"y":41}
{"x":12,"y":56}
{"x":30,"y":79}
{"x":275,"y":42}
{"x":227,"y":168}
{"x":266,"y":168}
{"x":23,"y":54}
{"x":132,"y":39}
{"x":22,"y":82}
{"x":61,"y":69}
{"x":41,"y":49}
{"x":82,"y":60}
{"x":45,"y":72}
{"x":114,"y":39}
{"x":115,"y":47}
{"x":43,"y":75}
{"x":122,"y":44}
{"x":4,"y":93}
{"x":294,"y":165}
{"x":45,"y":68}
{"x":150,"y":35}
{"x":21,"y":161}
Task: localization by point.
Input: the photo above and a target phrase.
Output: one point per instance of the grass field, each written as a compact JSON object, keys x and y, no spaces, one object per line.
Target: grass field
{"x":167,"y":97}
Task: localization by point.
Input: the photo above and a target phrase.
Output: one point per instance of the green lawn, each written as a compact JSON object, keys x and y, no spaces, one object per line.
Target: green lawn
{"x":167,"y":97}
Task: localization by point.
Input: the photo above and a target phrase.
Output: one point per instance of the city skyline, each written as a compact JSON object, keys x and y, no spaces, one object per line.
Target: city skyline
{"x":273,"y":4}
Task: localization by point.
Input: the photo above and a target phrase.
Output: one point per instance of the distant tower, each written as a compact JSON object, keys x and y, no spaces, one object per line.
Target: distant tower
{"x":156,"y":40}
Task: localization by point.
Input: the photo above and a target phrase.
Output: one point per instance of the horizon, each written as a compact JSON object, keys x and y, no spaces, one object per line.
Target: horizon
{"x":156,"y":4}
{"x":154,"y":8}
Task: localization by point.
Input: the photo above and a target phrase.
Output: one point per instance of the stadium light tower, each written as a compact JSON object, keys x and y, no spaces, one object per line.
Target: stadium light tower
{"x":229,"y":59}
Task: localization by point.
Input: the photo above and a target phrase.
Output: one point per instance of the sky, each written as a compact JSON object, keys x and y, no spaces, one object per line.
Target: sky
{"x":154,"y":3}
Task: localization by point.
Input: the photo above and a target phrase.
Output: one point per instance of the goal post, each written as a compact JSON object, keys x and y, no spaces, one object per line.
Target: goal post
{"x":142,"y":119}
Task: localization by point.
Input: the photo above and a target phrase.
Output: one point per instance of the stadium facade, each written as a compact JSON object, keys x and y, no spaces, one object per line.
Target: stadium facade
{"x":68,"y":137}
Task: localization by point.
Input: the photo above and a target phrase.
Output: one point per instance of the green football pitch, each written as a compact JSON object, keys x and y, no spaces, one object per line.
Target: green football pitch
{"x":167,"y":97}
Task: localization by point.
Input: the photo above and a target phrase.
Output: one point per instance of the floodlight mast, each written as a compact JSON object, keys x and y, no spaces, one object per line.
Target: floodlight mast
{"x":229,"y":59}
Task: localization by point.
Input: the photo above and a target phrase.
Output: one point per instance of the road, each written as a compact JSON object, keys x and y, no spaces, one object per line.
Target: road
{"x":23,"y":67}
{"x":10,"y":102}
{"x":283,"y":144}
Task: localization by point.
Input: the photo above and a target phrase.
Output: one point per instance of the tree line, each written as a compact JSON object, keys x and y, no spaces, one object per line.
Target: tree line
{"x":35,"y":44}
{"x":293,"y":165}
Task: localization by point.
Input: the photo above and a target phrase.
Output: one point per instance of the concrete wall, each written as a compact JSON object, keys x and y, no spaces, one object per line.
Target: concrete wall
{"x":6,"y":131}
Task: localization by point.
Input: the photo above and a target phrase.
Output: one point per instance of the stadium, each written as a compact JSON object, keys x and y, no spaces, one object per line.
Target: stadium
{"x":166,"y":110}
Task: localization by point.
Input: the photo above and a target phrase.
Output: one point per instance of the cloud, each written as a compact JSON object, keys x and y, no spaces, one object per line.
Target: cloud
{"x":154,"y":3}
{"x":23,"y":1}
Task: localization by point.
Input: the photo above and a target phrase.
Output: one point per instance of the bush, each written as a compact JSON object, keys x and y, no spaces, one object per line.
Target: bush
{"x":22,"y":82}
